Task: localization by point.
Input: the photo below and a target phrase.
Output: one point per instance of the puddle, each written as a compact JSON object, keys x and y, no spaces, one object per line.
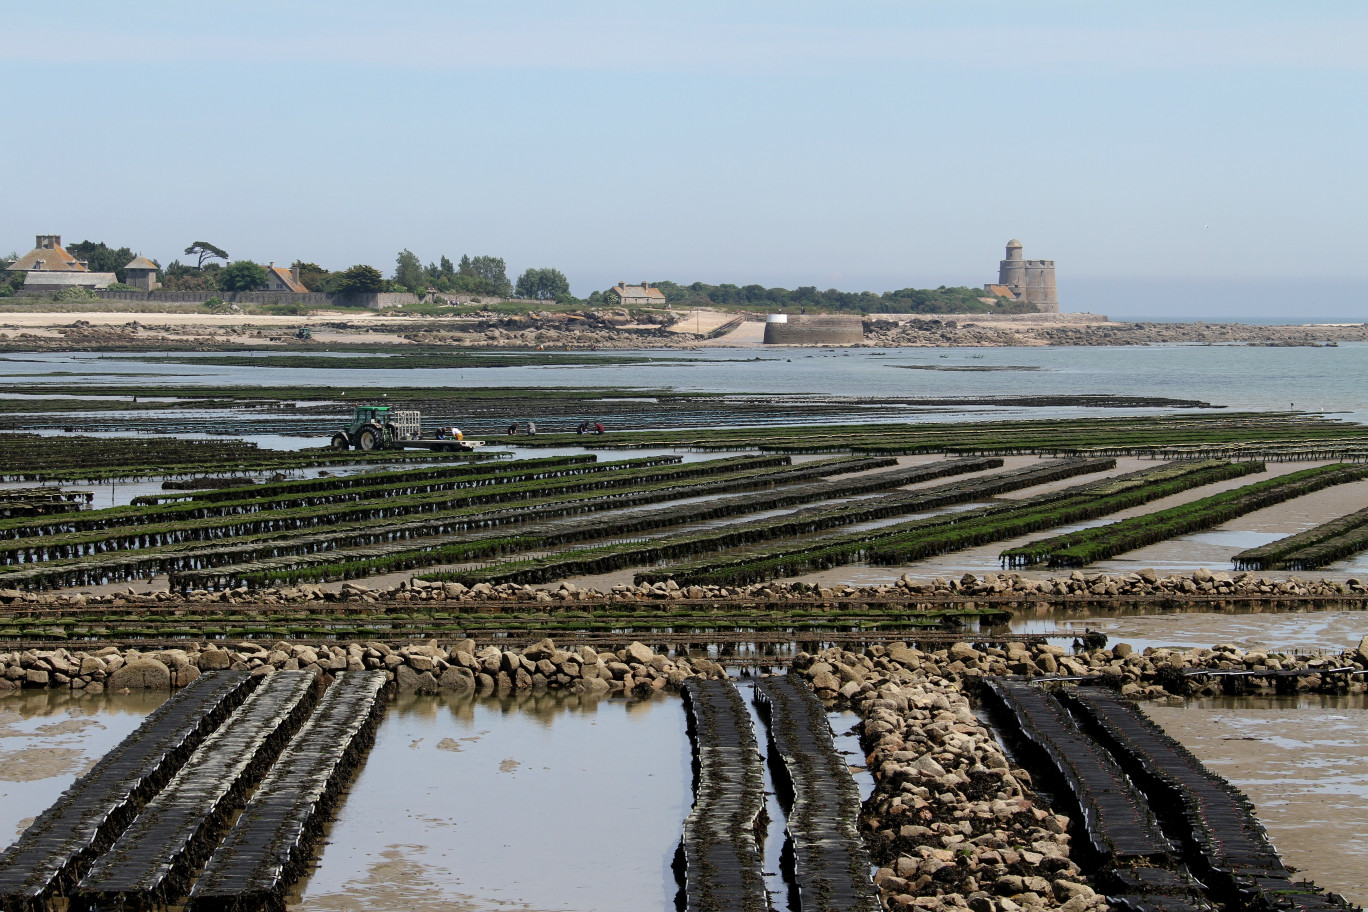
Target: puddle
{"x":49,"y":738}
{"x":1300,"y":760}
{"x":530,"y":802}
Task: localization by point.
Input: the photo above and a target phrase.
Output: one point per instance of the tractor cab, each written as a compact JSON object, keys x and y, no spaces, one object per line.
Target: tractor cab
{"x":370,"y":428}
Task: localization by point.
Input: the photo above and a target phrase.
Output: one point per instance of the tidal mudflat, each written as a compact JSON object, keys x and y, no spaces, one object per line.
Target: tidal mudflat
{"x":1284,"y":631}
{"x":1300,"y":760}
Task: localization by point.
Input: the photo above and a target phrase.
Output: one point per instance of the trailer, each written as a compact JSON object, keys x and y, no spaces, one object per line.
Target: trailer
{"x":379,"y":427}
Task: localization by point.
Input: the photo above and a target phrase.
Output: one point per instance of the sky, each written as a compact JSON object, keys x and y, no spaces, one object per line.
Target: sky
{"x":1173,"y":158}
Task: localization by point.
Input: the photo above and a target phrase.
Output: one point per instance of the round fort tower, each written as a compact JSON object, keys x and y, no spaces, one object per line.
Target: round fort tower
{"x":1012,"y":270}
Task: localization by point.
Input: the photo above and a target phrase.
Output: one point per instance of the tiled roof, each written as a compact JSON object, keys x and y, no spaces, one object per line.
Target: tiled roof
{"x":141,"y":262}
{"x":1002,"y":291}
{"x":639,"y":291}
{"x":287,"y":278}
{"x":53,"y":259}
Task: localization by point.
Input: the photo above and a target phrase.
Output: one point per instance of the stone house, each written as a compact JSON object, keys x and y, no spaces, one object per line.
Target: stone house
{"x":639,"y":295}
{"x":141,"y":273}
{"x":278,"y":278}
{"x":49,"y":268}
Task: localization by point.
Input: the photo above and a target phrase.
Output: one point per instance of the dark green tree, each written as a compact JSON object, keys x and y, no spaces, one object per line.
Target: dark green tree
{"x":242,"y":275}
{"x":490,"y":270}
{"x":361,"y":279}
{"x":100,"y":257}
{"x":312,"y":275}
{"x":543,"y":284}
{"x":408,"y":271}
{"x":205,"y":251}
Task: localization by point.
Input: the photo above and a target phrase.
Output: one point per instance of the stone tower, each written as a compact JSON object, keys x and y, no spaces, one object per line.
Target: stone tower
{"x":1031,"y":281}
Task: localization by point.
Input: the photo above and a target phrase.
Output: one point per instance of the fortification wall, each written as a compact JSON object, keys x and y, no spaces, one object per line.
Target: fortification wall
{"x":815,"y":330}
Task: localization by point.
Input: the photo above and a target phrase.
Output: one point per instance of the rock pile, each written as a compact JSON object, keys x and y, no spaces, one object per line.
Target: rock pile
{"x":951,"y":823}
{"x":1139,"y":586}
{"x":428,"y":667}
{"x":967,"y":331}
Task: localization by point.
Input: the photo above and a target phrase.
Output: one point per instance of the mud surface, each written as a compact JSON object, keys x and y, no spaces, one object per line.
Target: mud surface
{"x":530,"y":803}
{"x":1300,"y":759}
{"x":48,"y":738}
{"x":1282,"y":631}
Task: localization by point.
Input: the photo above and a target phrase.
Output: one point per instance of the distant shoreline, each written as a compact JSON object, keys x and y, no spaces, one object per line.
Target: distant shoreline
{"x":132,"y":330}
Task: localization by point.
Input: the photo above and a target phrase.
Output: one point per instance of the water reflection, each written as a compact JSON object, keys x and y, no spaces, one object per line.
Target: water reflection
{"x":528,"y":801}
{"x":50,"y":737}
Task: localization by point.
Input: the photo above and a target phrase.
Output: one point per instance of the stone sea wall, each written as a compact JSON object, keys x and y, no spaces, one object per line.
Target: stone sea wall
{"x":429,"y":667}
{"x":1141,"y":585}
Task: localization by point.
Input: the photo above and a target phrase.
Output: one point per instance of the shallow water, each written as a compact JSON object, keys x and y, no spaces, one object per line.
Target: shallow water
{"x":1300,"y":760}
{"x":50,"y":737}
{"x":1317,"y":379}
{"x":1282,"y":631}
{"x":532,"y":802}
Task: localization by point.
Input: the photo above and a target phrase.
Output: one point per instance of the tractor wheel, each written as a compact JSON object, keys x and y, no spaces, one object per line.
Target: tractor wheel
{"x":370,"y":440}
{"x":340,"y":442}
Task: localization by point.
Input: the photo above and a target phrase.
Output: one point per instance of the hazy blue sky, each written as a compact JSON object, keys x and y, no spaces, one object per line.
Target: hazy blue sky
{"x":1214,"y":150}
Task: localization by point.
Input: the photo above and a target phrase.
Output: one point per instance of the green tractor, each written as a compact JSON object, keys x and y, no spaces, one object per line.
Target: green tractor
{"x":372,"y":428}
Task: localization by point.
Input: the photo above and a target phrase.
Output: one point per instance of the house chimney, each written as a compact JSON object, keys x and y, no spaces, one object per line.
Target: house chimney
{"x":273,"y":264}
{"x":48,"y":241}
{"x":294,"y":273}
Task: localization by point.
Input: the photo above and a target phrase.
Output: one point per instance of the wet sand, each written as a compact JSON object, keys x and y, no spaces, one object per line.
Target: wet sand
{"x":1300,"y":760}
{"x":1212,"y":549}
{"x":1280,"y":631}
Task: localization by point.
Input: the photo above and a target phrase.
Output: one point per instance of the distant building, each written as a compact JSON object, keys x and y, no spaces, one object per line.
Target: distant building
{"x":1029,"y":281}
{"x":48,"y":268}
{"x":141,"y":273}
{"x":278,"y":278}
{"x":638,"y":295}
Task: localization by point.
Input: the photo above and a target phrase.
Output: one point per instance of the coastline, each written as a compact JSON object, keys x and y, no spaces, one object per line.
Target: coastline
{"x":147,"y":331}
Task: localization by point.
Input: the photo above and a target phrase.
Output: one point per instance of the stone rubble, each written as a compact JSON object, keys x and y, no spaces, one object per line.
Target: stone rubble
{"x":426,"y":668}
{"x":1005,"y":586}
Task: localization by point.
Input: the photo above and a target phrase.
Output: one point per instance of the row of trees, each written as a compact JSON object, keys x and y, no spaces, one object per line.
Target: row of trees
{"x":479,"y":275}
{"x":906,"y":300}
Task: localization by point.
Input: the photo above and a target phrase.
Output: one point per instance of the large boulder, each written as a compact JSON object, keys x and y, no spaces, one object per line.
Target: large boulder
{"x":140,"y":674}
{"x":213,"y":659}
{"x":410,"y":681}
{"x":457,"y":678}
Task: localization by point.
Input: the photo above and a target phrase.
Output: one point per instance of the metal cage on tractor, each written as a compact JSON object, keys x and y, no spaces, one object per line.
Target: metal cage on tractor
{"x":376,"y":427}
